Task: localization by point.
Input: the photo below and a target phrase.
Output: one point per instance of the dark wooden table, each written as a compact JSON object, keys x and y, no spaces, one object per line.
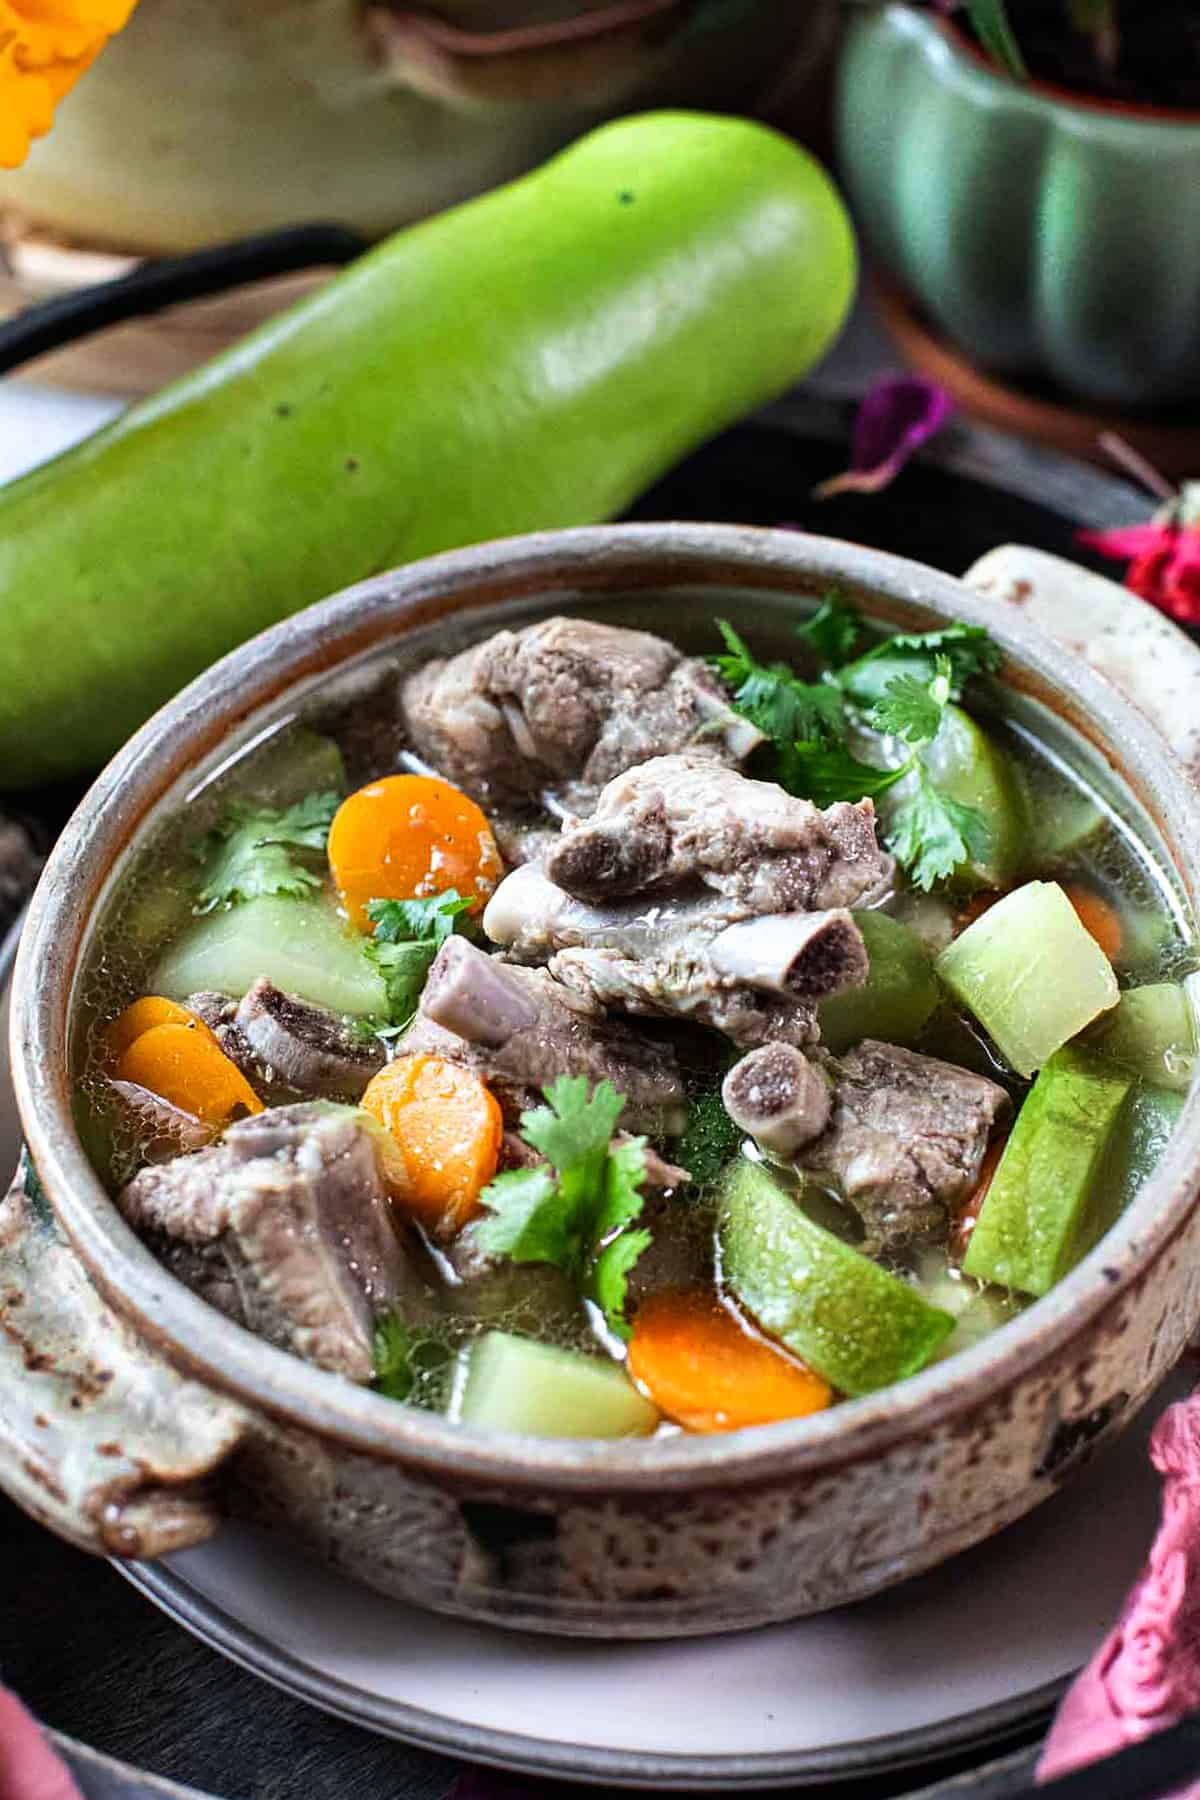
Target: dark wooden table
{"x":90,"y":1655}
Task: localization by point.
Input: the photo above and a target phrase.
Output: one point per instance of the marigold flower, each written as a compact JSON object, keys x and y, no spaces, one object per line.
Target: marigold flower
{"x":45,"y":46}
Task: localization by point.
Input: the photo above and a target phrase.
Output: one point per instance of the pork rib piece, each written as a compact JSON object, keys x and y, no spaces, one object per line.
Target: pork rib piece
{"x":287,"y":1047}
{"x":779,"y":1098}
{"x":566,"y":703}
{"x":906,"y":1139}
{"x":285,"y":1225}
{"x":679,"y":820}
{"x":306,"y":1046}
{"x":675,"y":954}
{"x":520,"y":1029}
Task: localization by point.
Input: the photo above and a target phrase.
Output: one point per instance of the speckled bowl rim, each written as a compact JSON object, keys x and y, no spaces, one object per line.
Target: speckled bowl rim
{"x":586,"y":562}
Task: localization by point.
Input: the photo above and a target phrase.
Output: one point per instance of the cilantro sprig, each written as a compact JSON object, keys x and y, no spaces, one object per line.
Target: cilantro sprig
{"x":834,"y":631}
{"x":408,"y":935}
{"x":577,"y":1208}
{"x":968,"y":649}
{"x":899,"y":689}
{"x":783,"y":707}
{"x":252,"y":854}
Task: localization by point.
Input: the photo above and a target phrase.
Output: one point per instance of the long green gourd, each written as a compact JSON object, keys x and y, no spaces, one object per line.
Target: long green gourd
{"x":535,"y":358}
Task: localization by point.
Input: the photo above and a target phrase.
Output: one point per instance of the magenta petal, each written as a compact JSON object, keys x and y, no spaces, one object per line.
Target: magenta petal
{"x":1146,"y":1673}
{"x":896,"y":417}
{"x":1125,"y":542}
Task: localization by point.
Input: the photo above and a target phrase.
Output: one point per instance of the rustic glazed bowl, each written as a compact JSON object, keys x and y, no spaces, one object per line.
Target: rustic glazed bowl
{"x":135,"y":1416}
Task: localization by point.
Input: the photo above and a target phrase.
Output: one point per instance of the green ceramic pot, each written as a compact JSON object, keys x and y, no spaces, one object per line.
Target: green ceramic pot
{"x":1049,"y":236}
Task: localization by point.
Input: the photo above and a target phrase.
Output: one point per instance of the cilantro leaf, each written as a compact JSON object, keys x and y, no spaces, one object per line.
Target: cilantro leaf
{"x":399,"y":921}
{"x":833,"y":631}
{"x":404,"y":968}
{"x":610,"y":1276}
{"x":900,"y":688}
{"x":931,"y":835}
{"x":394,"y":1374}
{"x":573,"y":1130}
{"x":250,"y":855}
{"x":408,"y":935}
{"x":913,"y":709}
{"x":574,"y":1210}
{"x":782,"y":706}
{"x":624,"y":1173}
{"x":528,"y":1221}
{"x":827,"y":773}
{"x":969,"y":649}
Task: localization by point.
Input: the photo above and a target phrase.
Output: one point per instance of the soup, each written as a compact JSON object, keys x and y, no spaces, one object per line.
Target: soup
{"x":589,"y":1035}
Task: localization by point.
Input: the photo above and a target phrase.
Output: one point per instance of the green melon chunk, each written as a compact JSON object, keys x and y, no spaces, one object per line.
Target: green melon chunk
{"x":970,"y":768}
{"x":301,"y":945}
{"x":1143,"y":1132}
{"x":1031,"y":974}
{"x":1042,"y":1211}
{"x":1151,"y":1031}
{"x":1061,"y":820}
{"x":895,"y":1002}
{"x":300,"y":762}
{"x":853,"y":1322}
{"x":516,"y":1384}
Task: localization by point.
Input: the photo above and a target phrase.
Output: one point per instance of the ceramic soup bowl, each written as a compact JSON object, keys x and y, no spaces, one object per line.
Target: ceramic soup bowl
{"x":135,"y":1417}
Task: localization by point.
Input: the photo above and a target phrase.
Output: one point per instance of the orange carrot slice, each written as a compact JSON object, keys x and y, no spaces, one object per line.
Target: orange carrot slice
{"x":151,"y":1010}
{"x":447,"y":1126}
{"x":189,"y":1068}
{"x":968,"y":1218}
{"x":702,"y":1369}
{"x":408,"y":837}
{"x":1097,"y":916}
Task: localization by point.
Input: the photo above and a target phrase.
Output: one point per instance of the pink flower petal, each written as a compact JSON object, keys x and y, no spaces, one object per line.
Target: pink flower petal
{"x":897,"y":416}
{"x":1164,"y":564}
{"x":1127,"y":541}
{"x":1146,"y":1673}
{"x":29,"y":1768}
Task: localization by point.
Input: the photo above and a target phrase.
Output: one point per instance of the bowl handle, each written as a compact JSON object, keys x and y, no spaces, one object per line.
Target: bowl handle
{"x":1134,"y":646}
{"x":101,"y":1439}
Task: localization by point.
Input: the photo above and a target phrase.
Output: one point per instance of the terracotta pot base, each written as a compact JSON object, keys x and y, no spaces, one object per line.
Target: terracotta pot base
{"x":1173,"y":449}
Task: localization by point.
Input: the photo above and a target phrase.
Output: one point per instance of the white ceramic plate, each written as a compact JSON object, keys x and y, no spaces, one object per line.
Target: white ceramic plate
{"x":950,"y":1659}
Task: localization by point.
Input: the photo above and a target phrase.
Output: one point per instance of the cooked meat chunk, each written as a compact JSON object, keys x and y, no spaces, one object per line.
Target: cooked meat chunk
{"x":680,"y":820}
{"x":287,"y":1047}
{"x":683,"y":984}
{"x":162,"y":1130}
{"x":521,"y":1030}
{"x":564,"y":703}
{"x":219,"y":1013}
{"x":906,"y":1139}
{"x":286,"y":1226}
{"x":676,"y":955}
{"x":306,"y":1047}
{"x":779,"y":1098}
